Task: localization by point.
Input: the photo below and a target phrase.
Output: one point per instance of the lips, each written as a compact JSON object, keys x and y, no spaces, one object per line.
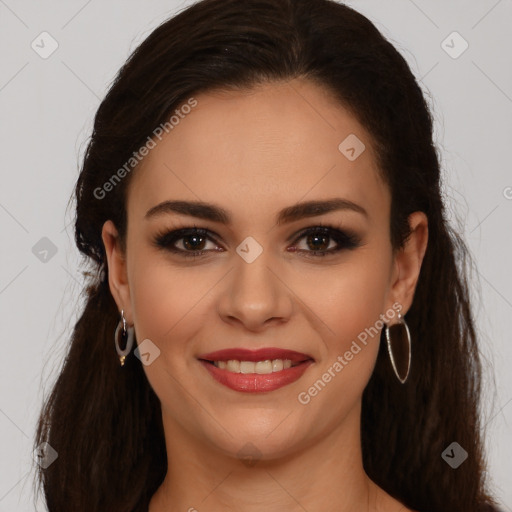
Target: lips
{"x":254,"y":382}
{"x":262,"y":354}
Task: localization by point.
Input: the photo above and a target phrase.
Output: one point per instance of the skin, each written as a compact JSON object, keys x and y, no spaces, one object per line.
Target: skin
{"x":254,"y":153}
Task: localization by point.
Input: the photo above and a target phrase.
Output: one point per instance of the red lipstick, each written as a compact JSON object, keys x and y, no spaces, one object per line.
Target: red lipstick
{"x":254,"y":382}
{"x":242,"y":354}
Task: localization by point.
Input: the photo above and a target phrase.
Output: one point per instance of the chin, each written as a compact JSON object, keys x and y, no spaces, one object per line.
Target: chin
{"x":250,"y":443}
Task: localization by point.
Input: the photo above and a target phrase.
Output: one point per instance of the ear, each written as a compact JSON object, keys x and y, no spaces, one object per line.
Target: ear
{"x":117,"y":269}
{"x":408,"y":261}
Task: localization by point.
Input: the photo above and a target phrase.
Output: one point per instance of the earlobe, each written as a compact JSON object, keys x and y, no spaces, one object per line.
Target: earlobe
{"x":117,"y":271}
{"x":409,"y":260}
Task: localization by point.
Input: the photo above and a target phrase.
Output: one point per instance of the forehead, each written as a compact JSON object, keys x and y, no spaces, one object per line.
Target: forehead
{"x":260,"y":150}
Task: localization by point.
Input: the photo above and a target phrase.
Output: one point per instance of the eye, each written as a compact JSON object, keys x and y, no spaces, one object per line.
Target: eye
{"x":318,"y":238}
{"x":193,"y":241}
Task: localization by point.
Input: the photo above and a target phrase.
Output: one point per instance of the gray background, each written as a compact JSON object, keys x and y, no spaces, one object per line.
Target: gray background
{"x":46,"y":112}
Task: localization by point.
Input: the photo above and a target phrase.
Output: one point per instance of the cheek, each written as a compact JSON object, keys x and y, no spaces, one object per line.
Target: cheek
{"x":350,"y":298}
{"x":167,"y":300}
{"x":153,"y":298}
{"x":349,"y":301}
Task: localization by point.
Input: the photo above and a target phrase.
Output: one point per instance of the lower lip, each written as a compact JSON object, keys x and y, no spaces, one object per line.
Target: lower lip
{"x":255,"y":382}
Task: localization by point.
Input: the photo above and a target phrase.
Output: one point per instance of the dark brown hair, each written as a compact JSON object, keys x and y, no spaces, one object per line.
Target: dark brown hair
{"x":105,"y":422}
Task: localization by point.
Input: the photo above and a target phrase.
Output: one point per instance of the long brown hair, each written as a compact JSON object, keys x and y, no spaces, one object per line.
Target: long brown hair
{"x":105,"y":422}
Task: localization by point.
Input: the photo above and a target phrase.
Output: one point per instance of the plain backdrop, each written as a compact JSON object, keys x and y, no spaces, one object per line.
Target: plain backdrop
{"x":46,"y":111}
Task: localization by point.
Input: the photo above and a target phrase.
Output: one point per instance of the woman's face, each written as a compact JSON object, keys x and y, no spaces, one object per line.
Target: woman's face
{"x":257,"y":156}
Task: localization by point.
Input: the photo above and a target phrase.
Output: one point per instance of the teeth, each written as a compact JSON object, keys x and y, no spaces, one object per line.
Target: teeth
{"x":261,"y":367}
{"x":277,"y":365}
{"x":233,"y":366}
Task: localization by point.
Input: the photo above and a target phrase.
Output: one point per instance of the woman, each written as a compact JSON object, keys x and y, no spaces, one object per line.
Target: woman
{"x":287,"y":302}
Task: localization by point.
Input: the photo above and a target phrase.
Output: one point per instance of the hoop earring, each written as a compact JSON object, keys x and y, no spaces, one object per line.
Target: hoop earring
{"x":125,"y":333}
{"x":399,"y":348}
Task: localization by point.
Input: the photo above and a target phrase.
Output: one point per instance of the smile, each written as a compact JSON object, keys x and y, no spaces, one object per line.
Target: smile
{"x":260,"y":367}
{"x":255,"y":371}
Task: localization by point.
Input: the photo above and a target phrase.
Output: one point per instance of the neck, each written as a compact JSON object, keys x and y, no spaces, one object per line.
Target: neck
{"x":327,"y":474}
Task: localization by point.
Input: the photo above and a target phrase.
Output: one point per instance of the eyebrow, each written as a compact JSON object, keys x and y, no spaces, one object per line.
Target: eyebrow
{"x":208,"y":211}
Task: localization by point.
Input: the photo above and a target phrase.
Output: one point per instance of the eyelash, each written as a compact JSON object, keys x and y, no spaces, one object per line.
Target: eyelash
{"x":345,"y":240}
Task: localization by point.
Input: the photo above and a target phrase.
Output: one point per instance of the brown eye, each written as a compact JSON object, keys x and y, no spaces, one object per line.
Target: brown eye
{"x":318,"y":241}
{"x":193,"y":241}
{"x":317,"y":238}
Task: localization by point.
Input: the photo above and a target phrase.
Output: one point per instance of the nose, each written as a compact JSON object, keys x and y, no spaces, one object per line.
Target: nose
{"x":256,"y":295}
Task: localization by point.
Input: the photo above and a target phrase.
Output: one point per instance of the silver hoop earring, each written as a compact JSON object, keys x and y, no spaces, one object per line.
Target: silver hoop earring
{"x":125,"y":333}
{"x":399,"y":348}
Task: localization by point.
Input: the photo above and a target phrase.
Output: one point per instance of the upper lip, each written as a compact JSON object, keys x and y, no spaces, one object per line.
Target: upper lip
{"x":262,"y":354}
